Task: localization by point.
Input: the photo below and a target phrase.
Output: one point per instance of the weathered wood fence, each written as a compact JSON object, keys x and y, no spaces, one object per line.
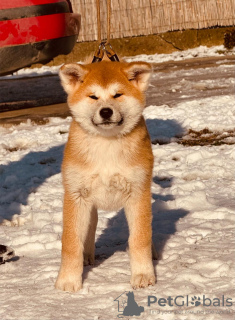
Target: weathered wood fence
{"x":144,"y":17}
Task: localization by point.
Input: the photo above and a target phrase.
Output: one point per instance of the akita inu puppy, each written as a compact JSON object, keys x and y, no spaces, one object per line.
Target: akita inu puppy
{"x":107,"y":165}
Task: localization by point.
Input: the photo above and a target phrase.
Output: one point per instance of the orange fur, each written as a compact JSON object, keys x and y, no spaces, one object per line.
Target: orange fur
{"x":107,"y":165}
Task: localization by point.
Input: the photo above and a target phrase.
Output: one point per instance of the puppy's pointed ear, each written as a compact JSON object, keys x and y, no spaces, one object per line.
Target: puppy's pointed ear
{"x":139,"y":74}
{"x":72,"y":76}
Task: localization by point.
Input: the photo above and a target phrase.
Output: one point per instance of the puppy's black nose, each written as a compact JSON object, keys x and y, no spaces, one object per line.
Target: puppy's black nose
{"x":106,"y":113}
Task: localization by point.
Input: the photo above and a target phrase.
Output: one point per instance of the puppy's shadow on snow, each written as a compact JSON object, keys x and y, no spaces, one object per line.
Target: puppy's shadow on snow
{"x":164,"y":131}
{"x":19,"y":179}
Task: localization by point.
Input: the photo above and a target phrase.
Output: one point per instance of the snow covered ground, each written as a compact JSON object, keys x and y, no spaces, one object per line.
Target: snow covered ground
{"x":193,"y":218}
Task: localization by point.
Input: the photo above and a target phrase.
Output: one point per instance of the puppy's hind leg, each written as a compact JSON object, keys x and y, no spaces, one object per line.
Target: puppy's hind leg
{"x":154,"y":252}
{"x":89,"y":244}
{"x":76,"y":220}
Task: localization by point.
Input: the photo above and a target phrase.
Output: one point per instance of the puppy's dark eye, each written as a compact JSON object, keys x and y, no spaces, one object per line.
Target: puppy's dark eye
{"x":93,"y":97}
{"x":117,"y":95}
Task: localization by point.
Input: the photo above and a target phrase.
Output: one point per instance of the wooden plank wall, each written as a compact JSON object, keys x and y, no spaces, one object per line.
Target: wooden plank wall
{"x":144,"y":17}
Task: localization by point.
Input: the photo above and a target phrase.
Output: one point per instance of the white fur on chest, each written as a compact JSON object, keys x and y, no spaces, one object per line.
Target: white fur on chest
{"x":109,"y":181}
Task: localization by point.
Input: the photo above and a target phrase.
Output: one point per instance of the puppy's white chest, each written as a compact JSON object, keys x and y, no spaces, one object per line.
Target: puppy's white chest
{"x":110,"y":190}
{"x":109,"y":179}
{"x":112,"y":183}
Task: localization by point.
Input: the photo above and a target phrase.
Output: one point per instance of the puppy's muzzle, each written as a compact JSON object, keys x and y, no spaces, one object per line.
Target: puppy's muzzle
{"x":107,"y":118}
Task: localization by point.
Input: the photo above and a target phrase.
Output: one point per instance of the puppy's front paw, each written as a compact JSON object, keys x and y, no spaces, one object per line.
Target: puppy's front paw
{"x":69,"y":283}
{"x":142,"y":280}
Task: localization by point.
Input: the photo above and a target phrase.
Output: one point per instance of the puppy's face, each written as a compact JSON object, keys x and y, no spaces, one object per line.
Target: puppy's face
{"x":106,"y":98}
